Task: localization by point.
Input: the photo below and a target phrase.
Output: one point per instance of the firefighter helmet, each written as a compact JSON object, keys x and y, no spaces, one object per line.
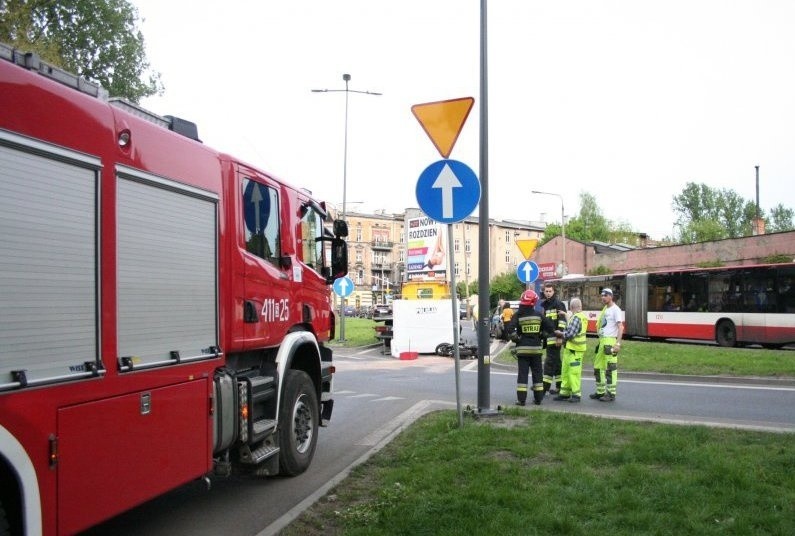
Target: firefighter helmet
{"x":529,"y":297}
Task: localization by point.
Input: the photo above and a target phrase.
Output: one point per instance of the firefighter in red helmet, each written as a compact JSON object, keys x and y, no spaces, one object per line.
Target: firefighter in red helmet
{"x":528,"y":328}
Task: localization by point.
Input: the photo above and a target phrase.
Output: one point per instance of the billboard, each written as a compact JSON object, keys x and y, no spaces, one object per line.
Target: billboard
{"x":426,"y":242}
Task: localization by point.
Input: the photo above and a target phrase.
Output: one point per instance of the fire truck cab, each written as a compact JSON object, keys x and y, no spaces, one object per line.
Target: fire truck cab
{"x":164,"y":307}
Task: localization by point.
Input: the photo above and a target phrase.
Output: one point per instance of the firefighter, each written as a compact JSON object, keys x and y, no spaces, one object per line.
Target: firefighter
{"x":605,"y":364}
{"x":573,"y":352}
{"x":528,"y":328}
{"x":555,"y":312}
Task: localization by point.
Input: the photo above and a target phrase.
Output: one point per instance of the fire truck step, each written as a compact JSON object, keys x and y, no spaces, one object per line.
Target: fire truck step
{"x":263,"y":426}
{"x":262,"y":388}
{"x":261,"y":454}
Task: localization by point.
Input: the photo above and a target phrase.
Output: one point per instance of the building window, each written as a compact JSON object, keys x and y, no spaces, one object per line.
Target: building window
{"x":359,"y":276}
{"x":358,"y":256}
{"x":467,"y":246}
{"x":456,"y":247}
{"x":507,"y":257}
{"x":457,"y":272}
{"x":507,"y":237}
{"x":358,"y":232}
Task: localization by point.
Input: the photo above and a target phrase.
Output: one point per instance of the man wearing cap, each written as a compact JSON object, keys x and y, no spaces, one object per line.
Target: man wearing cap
{"x":610,"y":329}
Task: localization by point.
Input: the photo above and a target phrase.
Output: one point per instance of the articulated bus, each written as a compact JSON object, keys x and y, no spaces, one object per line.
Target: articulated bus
{"x":729,"y":305}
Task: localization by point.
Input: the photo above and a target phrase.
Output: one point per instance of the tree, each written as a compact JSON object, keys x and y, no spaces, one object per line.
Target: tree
{"x":95,"y":39}
{"x":780,"y":219}
{"x":505,"y":286}
{"x":590,"y":224}
{"x":461,"y":288}
{"x":706,"y":213}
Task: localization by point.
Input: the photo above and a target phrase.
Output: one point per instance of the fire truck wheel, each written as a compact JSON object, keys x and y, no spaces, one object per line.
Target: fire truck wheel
{"x":5,"y":528}
{"x":298,"y":422}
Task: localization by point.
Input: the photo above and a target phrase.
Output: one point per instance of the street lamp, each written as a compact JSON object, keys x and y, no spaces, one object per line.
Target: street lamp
{"x":346,"y":78}
{"x":562,"y":228}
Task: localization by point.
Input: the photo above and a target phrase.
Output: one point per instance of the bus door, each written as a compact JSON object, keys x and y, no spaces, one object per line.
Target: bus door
{"x":636,"y":298}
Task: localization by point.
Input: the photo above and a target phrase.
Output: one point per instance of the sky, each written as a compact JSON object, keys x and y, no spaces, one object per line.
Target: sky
{"x":627,"y":100}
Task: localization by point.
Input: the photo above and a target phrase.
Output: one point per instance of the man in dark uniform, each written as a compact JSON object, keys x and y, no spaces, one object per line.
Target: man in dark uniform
{"x":555,"y":312}
{"x":528,"y":328}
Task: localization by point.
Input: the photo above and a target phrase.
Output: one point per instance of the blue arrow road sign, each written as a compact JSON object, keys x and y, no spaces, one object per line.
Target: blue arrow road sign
{"x":448,"y":191}
{"x":527,"y":271}
{"x":343,"y":286}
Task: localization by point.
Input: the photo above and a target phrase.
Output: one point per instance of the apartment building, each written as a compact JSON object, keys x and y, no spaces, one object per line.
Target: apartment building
{"x":386,"y":249}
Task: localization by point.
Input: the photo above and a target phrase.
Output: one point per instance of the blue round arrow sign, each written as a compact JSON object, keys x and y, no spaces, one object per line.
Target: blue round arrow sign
{"x":343,"y":286}
{"x":448,"y":191}
{"x":527,"y":271}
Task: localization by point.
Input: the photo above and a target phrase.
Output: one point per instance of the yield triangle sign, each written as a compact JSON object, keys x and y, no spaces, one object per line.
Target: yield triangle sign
{"x":527,"y":246}
{"x":443,"y":120}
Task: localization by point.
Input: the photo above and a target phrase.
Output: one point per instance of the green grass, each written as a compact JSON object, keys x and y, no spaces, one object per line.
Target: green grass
{"x":537,"y":472}
{"x":358,"y":332}
{"x":693,"y":359}
{"x":643,"y":356}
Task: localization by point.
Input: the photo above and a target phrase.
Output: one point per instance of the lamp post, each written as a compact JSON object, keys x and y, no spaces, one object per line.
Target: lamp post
{"x":466,"y":266}
{"x":346,"y":78}
{"x":562,"y":228}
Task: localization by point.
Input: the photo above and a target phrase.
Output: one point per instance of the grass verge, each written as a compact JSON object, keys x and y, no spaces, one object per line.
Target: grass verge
{"x":537,"y":472}
{"x":358,"y":332}
{"x":693,"y":359}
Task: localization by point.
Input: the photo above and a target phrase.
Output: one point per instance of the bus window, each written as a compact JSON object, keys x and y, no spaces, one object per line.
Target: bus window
{"x":665,"y":292}
{"x":568,"y":292}
{"x":785,"y":290}
{"x":694,"y":291}
{"x":718,"y":291}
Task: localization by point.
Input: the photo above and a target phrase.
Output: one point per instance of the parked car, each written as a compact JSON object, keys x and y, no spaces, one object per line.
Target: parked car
{"x":350,"y":310}
{"x":382,"y":309}
{"x":462,"y":310}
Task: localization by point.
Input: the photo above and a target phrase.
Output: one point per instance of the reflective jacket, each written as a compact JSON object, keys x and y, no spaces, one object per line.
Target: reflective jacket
{"x":577,"y":341}
{"x":557,"y":321}
{"x":529,"y":328}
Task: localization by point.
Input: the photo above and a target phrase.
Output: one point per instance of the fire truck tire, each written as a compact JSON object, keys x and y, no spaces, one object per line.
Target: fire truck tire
{"x":5,"y":528}
{"x":726,"y":333}
{"x":298,"y":423}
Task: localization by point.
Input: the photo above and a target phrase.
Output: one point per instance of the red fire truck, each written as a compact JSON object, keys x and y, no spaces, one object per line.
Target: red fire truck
{"x":164,"y":307}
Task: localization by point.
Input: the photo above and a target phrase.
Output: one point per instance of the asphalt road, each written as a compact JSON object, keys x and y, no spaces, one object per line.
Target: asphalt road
{"x":376,"y":396}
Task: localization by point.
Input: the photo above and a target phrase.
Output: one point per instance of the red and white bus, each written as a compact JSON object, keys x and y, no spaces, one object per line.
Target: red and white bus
{"x":728,"y":305}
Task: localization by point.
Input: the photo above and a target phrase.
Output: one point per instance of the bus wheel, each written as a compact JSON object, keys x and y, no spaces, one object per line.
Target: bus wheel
{"x":298,"y":422}
{"x":726,"y":333}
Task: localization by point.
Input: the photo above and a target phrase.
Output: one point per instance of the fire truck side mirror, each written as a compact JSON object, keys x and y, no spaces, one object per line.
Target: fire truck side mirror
{"x":340,"y":228}
{"x":339,"y":259}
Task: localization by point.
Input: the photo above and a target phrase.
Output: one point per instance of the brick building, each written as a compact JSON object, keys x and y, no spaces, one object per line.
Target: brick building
{"x":584,"y":258}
